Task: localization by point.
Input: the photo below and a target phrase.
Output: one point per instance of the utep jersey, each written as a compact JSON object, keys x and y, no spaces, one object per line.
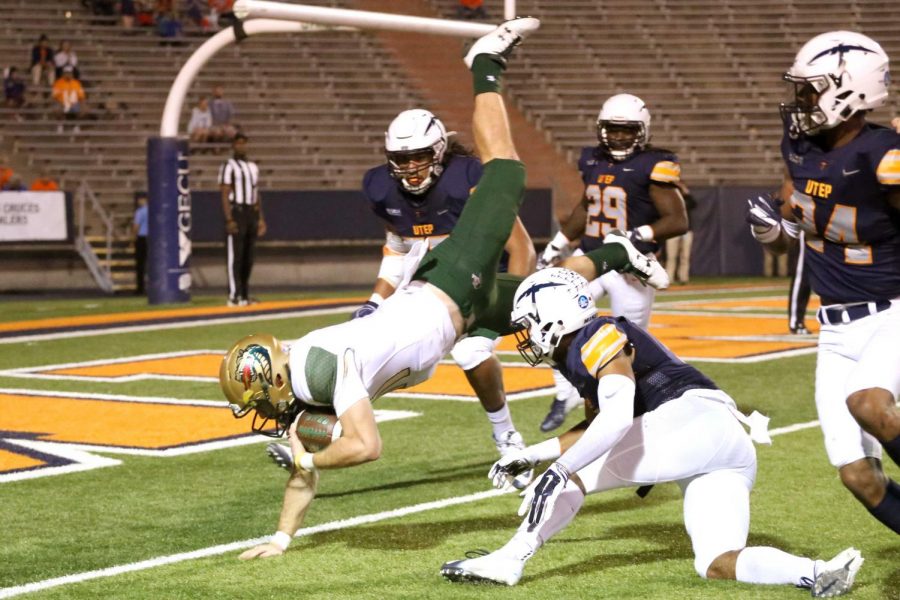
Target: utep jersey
{"x":840,"y":201}
{"x":660,"y":376}
{"x":433,"y":213}
{"x":618,"y":193}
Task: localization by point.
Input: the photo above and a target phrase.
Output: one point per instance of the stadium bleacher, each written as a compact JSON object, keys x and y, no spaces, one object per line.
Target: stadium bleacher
{"x":315,"y":112}
{"x":710,"y":71}
{"x":304,"y":100}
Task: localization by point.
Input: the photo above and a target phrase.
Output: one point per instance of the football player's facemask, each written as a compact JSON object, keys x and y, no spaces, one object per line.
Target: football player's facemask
{"x":255,"y":376}
{"x":623,"y":126}
{"x":549,"y":304}
{"x":835,"y":75}
{"x":414,"y":144}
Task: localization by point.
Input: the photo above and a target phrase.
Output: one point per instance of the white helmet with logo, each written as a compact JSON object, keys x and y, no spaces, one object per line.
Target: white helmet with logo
{"x":410,"y":136}
{"x":835,"y":75}
{"x":548,"y":305}
{"x":623,"y":111}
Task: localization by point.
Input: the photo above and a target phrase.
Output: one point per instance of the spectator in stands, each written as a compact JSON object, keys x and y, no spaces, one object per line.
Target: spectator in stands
{"x":471,"y":9}
{"x":222,"y":114}
{"x":67,"y":91}
{"x":220,"y":12}
{"x":43,"y":182}
{"x":6,"y":172}
{"x":169,"y":27}
{"x":144,"y":14}
{"x":106,"y":8}
{"x":13,"y":89}
{"x":140,"y":229}
{"x":14,"y":185}
{"x":201,"y":122}
{"x":678,"y":249}
{"x":42,"y":61}
{"x":163,"y":7}
{"x":194,"y":9}
{"x":128,"y":11}
{"x":66,"y":57}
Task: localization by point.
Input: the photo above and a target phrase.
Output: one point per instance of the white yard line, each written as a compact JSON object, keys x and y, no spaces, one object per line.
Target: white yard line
{"x":234,"y":546}
{"x":58,"y":335}
{"x":241,"y":545}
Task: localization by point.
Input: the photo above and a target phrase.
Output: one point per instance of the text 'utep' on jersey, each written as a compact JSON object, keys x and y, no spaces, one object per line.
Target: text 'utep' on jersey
{"x":840,"y":201}
{"x":660,"y":376}
{"x":432,"y":214}
{"x":618,"y":193}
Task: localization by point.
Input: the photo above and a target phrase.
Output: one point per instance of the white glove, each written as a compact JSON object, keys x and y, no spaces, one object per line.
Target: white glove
{"x":509,"y":467}
{"x":556,"y":251}
{"x":540,"y":496}
{"x":513,"y":464}
{"x":646,"y":268}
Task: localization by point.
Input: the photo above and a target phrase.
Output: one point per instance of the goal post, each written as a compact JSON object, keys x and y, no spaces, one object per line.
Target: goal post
{"x":168,"y":154}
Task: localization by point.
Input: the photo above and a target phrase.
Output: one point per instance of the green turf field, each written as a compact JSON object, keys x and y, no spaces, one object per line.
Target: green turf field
{"x":150,"y":511}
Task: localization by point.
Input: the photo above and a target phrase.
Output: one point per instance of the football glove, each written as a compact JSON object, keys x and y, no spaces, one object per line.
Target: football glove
{"x":505,"y":470}
{"x":540,"y":497}
{"x":644,"y":233}
{"x":556,"y":251}
{"x":365,"y":310}
{"x":764,"y":217}
{"x":646,"y":268}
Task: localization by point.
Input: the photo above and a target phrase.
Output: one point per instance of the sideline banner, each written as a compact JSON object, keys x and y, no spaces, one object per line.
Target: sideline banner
{"x":32,"y":216}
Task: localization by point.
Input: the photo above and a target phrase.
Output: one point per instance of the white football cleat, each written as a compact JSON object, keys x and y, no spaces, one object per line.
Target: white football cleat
{"x":509,"y":442}
{"x":501,"y":41}
{"x":837,"y":575}
{"x":490,"y":568}
{"x":646,"y":268}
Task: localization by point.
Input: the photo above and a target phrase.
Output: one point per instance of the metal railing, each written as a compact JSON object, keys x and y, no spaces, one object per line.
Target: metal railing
{"x":100,"y":270}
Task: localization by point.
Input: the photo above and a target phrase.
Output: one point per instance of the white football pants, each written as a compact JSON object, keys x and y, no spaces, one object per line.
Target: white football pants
{"x":696,"y":441}
{"x":855,"y":356}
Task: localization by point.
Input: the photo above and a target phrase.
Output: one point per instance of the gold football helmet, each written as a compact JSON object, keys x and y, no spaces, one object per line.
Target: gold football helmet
{"x":255,"y":375}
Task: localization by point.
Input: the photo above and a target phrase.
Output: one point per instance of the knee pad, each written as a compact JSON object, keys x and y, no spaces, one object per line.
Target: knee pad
{"x":470,"y":352}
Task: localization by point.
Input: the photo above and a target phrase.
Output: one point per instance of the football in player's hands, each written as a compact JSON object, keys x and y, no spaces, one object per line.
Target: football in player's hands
{"x":317,"y":430}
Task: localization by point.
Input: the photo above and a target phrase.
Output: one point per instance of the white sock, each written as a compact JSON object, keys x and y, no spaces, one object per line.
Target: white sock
{"x":764,"y":564}
{"x":501,"y":421}
{"x":525,"y":543}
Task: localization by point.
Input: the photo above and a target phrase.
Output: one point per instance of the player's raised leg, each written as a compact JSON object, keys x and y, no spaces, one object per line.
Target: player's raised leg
{"x":487,"y":60}
{"x":464,"y":266}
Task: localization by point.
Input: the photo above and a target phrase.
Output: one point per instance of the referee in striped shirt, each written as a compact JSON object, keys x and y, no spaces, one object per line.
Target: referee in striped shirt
{"x":239,"y":183}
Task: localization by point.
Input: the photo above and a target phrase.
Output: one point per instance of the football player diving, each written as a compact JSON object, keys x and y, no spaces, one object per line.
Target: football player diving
{"x":841,"y":187}
{"x":629,"y":186}
{"x":454,"y":288}
{"x":659,"y":420}
{"x":419,"y":194}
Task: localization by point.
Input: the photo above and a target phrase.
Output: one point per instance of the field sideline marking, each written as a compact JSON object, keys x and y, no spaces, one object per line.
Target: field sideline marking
{"x":41,"y":337}
{"x":306,"y":531}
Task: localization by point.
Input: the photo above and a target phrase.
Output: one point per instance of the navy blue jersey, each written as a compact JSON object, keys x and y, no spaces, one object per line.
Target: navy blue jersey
{"x":618,"y":193}
{"x":660,"y":376}
{"x":840,"y":201}
{"x":433,"y":213}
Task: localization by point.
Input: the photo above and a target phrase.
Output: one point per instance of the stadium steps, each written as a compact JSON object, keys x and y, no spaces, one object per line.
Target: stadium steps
{"x":118,"y":261}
